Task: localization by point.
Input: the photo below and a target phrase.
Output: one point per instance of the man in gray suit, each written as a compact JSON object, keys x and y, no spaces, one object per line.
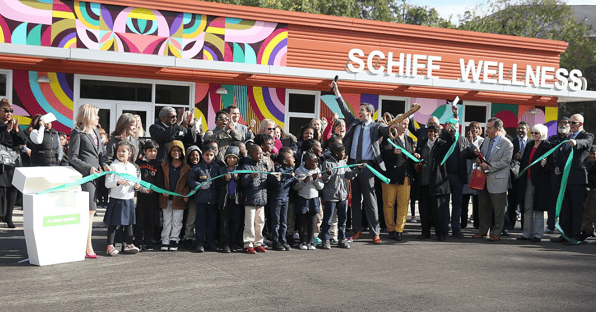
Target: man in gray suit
{"x":497,"y":150}
{"x":246,"y":132}
{"x":362,"y":142}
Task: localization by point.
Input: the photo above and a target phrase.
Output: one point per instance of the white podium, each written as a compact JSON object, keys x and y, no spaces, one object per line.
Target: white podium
{"x":56,"y":224}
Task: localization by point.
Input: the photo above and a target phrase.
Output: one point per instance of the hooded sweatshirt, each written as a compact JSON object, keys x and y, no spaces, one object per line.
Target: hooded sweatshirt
{"x":203,"y":172}
{"x":229,"y":190}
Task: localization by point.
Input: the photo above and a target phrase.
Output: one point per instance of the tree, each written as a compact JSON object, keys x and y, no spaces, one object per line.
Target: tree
{"x":544,"y":19}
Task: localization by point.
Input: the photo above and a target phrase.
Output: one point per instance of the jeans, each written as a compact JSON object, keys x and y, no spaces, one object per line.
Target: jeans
{"x":206,"y":220}
{"x":279,"y":217}
{"x":342,"y":214}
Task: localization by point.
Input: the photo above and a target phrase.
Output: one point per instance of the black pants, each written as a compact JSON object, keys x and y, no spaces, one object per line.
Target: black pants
{"x":305,"y":223}
{"x":572,"y":210}
{"x":432,"y":212}
{"x":147,"y":215}
{"x":230,"y":224}
{"x":464,"y":210}
{"x":9,"y":200}
{"x":130,"y":237}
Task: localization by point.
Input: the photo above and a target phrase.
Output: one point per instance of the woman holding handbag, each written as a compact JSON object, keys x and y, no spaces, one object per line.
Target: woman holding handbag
{"x":10,"y":138}
{"x":85,"y":154}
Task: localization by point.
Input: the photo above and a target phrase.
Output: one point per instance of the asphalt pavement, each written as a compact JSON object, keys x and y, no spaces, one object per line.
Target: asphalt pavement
{"x":413,"y":275}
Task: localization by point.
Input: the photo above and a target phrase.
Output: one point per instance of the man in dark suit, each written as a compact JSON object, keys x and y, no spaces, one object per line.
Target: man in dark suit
{"x":362,"y":142}
{"x":519,"y":145}
{"x":170,"y":127}
{"x":555,"y":180}
{"x":574,"y":198}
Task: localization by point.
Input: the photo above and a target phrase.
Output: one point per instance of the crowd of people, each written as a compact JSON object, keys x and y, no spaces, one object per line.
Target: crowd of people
{"x":259,"y":189}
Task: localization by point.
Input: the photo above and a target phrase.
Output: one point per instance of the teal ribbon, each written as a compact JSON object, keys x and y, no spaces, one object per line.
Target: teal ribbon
{"x":403,"y":150}
{"x":562,"y":192}
{"x":452,"y":148}
{"x":378,"y":174}
{"x":552,"y":150}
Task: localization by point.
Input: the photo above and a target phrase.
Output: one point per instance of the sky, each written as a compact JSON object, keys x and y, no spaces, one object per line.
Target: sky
{"x":455,"y":7}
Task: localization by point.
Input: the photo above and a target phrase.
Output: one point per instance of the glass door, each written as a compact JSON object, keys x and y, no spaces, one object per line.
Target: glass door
{"x":142,"y":109}
{"x":107,"y":119}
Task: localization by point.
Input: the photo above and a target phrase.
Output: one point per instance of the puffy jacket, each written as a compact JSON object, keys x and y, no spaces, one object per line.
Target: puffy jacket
{"x":223,"y":186}
{"x":311,"y":188}
{"x":201,"y":172}
{"x":281,"y":189}
{"x":336,"y":181}
{"x":255,"y":190}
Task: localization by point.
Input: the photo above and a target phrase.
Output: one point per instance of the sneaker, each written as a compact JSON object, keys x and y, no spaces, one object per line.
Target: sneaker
{"x":174,"y":246}
{"x":278,"y":246}
{"x":112,"y":251}
{"x":344,"y":244}
{"x":260,"y":249}
{"x":226,"y":249}
{"x":334,"y":241}
{"x":316,"y":241}
{"x":296,"y":236}
{"x":303,"y":246}
{"x":131,"y":249}
{"x":249,"y":250}
{"x":148,"y":247}
{"x":287,"y":246}
{"x":164,"y":247}
{"x":327,"y":244}
{"x":312,"y":247}
{"x":349,"y":239}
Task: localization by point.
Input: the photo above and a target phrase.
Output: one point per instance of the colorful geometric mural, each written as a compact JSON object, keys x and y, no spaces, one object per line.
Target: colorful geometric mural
{"x":253,"y":102}
{"x":513,"y":114}
{"x":31,"y":97}
{"x":89,"y":25}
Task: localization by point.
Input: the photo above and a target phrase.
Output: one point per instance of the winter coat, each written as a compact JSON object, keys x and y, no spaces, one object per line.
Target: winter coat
{"x":255,"y":190}
{"x":182,"y":187}
{"x":201,"y":172}
{"x":281,"y":189}
{"x":337,"y":181}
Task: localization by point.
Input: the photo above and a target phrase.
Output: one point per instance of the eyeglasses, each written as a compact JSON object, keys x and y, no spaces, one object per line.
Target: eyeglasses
{"x":565,"y":122}
{"x":271,"y":129}
{"x":223,"y":118}
{"x":576,"y":122}
{"x":535,"y":132}
{"x":8,"y":110}
{"x":172,"y":116}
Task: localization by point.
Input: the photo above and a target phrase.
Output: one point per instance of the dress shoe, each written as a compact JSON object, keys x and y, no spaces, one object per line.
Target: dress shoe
{"x":226,"y":249}
{"x":423,"y":236}
{"x":495,"y":238}
{"x":10,"y":224}
{"x":399,"y":236}
{"x":559,"y":239}
{"x":376,"y":239}
{"x":441,"y":238}
{"x":391,"y":235}
{"x":260,"y":249}
{"x":357,"y":235}
{"x":199,"y":249}
{"x":549,"y":231}
{"x":479,"y":235}
{"x":523,"y":238}
{"x":505,"y":233}
{"x":249,"y":250}
{"x":535,"y":240}
{"x":92,"y":256}
{"x":458,"y":234}
{"x":572,"y":242}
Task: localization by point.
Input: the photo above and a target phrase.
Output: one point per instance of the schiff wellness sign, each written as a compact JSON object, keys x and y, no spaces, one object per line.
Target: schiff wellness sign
{"x":490,"y":72}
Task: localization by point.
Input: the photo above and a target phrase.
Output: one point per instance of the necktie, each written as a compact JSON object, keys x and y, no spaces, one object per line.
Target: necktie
{"x":490,"y":148}
{"x":522,"y":147}
{"x":359,"y":148}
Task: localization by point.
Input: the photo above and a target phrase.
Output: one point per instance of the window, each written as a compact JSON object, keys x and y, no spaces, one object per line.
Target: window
{"x":3,"y":84}
{"x":6,"y":84}
{"x":115,"y":90}
{"x":392,"y":105}
{"x":171,"y":94}
{"x":301,"y":108}
{"x":476,"y":111}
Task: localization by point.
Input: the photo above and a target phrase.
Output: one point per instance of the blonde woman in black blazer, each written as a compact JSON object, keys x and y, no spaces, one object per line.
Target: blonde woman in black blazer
{"x":85,"y":154}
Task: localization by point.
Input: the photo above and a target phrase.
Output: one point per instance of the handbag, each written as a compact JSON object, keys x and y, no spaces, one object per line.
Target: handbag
{"x":8,"y":156}
{"x":478,"y":180}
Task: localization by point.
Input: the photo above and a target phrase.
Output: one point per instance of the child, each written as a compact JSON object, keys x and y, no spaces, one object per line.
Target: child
{"x":265,"y":141}
{"x":193,"y":157}
{"x":255,"y":198}
{"x":335,"y":194}
{"x":229,"y":200}
{"x":206,"y":198}
{"x":121,"y":208}
{"x":280,"y":199}
{"x":307,"y":203}
{"x":175,"y":173}
{"x":147,"y":202}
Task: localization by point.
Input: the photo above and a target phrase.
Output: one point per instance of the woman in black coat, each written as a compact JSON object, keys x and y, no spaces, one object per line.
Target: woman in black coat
{"x":46,"y":148}
{"x":534,"y":184}
{"x":11,"y":137}
{"x":86,"y":155}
